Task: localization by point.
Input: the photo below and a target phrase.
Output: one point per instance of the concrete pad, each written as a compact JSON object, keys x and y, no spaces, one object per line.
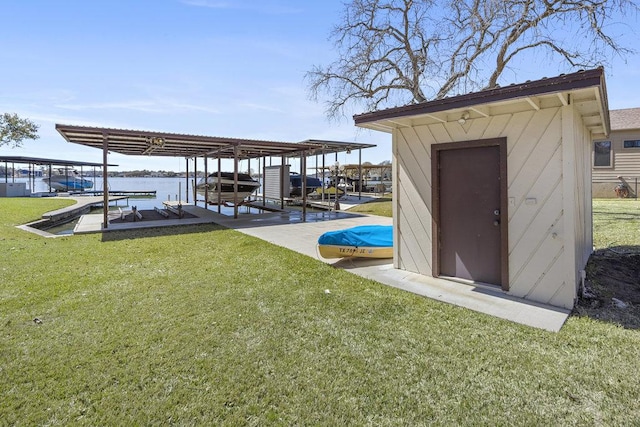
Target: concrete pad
{"x":92,"y":223}
{"x":483,"y":299}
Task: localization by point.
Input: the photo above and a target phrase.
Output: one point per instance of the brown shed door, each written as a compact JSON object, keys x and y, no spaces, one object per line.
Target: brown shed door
{"x":469,"y":214}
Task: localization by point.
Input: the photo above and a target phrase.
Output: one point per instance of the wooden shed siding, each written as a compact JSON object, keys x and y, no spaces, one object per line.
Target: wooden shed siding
{"x":537,"y":257}
{"x":549,"y":289}
{"x":581,"y":198}
{"x":532,"y":225}
{"x":584,"y":217}
{"x":413,"y":198}
{"x":535,"y":186}
{"x":395,"y":189}
{"x":415,"y":241}
{"x":570,"y":185}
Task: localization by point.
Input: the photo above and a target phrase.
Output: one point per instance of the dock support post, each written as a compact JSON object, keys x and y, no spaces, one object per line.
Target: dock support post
{"x":303,"y":175}
{"x":264,"y":175}
{"x":219,"y":185}
{"x":282,"y":182}
{"x":194,"y":189}
{"x":323,"y":176}
{"x":105,"y":183}
{"x":186,"y":160}
{"x":206,"y":182}
{"x":360,"y":174}
{"x":235,"y":182}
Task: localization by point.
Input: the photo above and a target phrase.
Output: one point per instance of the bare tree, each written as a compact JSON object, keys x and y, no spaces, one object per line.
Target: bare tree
{"x":397,"y":52}
{"x":13,"y":130}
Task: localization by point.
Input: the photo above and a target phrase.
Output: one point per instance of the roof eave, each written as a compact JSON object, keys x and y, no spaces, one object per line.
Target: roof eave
{"x":563,"y":83}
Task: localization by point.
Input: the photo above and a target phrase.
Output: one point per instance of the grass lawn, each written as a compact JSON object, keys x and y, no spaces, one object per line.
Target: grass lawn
{"x":213,"y":327}
{"x":380,"y":206}
{"x":616,"y":222}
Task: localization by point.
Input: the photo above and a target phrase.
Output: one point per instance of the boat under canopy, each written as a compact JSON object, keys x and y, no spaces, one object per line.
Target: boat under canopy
{"x":295,"y":182}
{"x":67,"y":180}
{"x":225,"y":187}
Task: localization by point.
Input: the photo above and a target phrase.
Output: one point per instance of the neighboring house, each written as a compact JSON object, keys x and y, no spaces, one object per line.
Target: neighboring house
{"x":493,"y":188}
{"x":616,"y":159}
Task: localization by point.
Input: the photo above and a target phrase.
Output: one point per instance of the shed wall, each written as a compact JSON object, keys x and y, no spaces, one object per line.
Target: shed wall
{"x":537,"y":255}
{"x":582,"y":198}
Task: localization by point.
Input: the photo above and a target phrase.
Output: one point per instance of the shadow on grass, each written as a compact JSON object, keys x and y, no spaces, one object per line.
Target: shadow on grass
{"x":612,"y":287}
{"x":378,"y":200}
{"x":141,"y":233}
{"x":620,"y":216}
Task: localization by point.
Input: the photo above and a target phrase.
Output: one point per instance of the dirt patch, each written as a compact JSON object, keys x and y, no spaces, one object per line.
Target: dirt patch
{"x":612,"y":288}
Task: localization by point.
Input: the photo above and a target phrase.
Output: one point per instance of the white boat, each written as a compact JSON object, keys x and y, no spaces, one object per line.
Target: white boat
{"x":64,"y":179}
{"x":342,"y":182}
{"x":246,"y":187}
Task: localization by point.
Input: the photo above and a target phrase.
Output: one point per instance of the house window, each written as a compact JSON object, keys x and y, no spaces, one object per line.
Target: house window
{"x":632,"y":144}
{"x":602,"y":154}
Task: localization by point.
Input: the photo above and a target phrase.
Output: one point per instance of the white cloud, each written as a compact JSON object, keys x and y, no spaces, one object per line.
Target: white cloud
{"x":209,"y":4}
{"x":157,"y":106}
{"x":259,"y":107}
{"x":267,"y":7}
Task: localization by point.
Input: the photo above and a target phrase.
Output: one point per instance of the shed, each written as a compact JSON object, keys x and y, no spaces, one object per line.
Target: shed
{"x":493,"y":188}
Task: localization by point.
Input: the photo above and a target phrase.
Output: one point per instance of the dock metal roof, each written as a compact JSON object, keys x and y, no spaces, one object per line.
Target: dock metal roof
{"x":152,"y":143}
{"x":45,"y":161}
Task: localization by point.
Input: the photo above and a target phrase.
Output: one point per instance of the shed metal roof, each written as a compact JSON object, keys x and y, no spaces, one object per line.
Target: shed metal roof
{"x":152,"y":143}
{"x":585,"y":90}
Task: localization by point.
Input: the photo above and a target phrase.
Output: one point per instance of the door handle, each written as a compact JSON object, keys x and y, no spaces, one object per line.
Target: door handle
{"x":496,"y":212}
{"x":496,"y":222}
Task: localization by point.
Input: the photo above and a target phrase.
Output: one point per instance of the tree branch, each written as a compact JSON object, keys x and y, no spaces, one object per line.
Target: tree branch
{"x":396,"y":52}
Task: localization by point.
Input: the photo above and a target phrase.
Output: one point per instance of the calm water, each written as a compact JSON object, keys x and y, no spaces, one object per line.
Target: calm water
{"x":166,"y":189}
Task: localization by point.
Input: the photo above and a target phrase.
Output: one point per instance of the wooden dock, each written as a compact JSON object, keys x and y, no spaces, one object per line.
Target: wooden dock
{"x":175,"y":206}
{"x":83,"y":206}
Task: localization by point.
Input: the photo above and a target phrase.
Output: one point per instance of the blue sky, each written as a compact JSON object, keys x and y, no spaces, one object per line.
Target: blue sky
{"x":232,"y":68}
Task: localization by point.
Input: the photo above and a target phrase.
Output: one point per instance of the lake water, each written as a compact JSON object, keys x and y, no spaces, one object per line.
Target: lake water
{"x":165,"y":188}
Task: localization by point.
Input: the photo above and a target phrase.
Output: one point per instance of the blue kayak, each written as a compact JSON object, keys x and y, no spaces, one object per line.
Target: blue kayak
{"x":370,"y":241}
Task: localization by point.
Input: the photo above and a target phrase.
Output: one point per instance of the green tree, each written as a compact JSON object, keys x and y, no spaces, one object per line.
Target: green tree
{"x":14,"y":130}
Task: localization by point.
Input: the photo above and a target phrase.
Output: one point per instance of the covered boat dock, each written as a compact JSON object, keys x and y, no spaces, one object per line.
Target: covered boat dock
{"x":194,"y":147}
{"x":32,"y":173}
